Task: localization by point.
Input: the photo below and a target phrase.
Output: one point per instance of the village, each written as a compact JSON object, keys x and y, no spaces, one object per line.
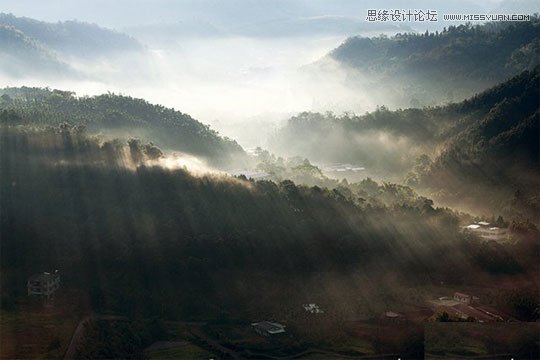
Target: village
{"x":488,"y":231}
{"x":292,"y":329}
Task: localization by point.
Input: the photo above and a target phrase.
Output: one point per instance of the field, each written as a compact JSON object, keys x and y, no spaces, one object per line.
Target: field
{"x":40,"y":331}
{"x":176,"y":350}
{"x":475,"y":339}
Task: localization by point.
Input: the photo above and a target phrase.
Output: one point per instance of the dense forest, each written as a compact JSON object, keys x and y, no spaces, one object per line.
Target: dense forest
{"x":72,"y":202}
{"x":485,"y":147}
{"x":122,"y":115}
{"x":133,"y":236}
{"x":412,"y":69}
{"x":132,"y":230}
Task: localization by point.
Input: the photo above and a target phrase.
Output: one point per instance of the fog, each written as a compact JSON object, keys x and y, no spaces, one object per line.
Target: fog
{"x":243,"y":68}
{"x":242,"y":87}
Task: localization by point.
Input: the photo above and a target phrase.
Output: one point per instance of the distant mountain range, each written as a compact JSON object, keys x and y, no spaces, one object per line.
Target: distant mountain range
{"x":72,"y":37}
{"x":436,"y":67}
{"x":30,"y":46}
{"x":22,"y":55}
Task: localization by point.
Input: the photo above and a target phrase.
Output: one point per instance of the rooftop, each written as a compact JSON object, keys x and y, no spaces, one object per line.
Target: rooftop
{"x":43,"y":277}
{"x":392,"y":314}
{"x":270,"y":327}
{"x":474,"y":313}
{"x":312,"y":308}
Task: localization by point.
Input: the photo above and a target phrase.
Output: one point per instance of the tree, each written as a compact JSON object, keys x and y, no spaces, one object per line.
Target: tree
{"x":525,"y":306}
{"x":443,"y":317}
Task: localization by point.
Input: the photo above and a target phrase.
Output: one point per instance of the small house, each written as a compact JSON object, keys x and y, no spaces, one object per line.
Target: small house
{"x":312,"y":308}
{"x":267,"y":328}
{"x":393,"y":316}
{"x":44,"y":284}
{"x":464,"y":298}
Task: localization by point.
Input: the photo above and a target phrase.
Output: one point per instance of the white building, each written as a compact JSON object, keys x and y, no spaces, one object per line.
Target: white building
{"x":312,"y":308}
{"x":465,"y":298}
{"x":488,"y":232}
{"x":44,"y":284}
{"x":267,"y":328}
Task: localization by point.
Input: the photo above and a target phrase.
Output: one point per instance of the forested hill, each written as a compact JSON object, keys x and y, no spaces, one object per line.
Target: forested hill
{"x":451,"y":65}
{"x":22,"y":55}
{"x":72,"y":37}
{"x":138,"y":237}
{"x":119,"y":116}
{"x":30,"y":47}
{"x":489,"y":141}
{"x":493,"y":148}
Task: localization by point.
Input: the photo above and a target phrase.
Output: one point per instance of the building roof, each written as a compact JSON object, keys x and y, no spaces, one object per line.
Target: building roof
{"x":462,"y":295}
{"x":473,"y":226}
{"x":391,"y":314}
{"x":467,"y":310}
{"x":483,"y":223}
{"x":312,"y":308}
{"x":43,"y":277}
{"x":270,"y":327}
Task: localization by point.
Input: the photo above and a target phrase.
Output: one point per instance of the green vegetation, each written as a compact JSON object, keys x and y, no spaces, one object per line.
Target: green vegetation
{"x":35,"y":48}
{"x":122,"y":115}
{"x":185,"y":351}
{"x":138,"y":236}
{"x":22,"y":55}
{"x":443,"y":66}
{"x":466,"y":339}
{"x":71,"y":37}
{"x":160,"y":262}
{"x":118,"y":339}
{"x":485,"y":149}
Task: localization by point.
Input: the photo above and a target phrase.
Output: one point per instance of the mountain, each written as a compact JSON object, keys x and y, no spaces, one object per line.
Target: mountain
{"x":130,"y":236}
{"x":88,"y":207}
{"x":432,"y":68}
{"x":119,"y":116}
{"x":22,"y":55}
{"x":493,"y":149}
{"x":72,"y":38}
{"x":485,"y":147}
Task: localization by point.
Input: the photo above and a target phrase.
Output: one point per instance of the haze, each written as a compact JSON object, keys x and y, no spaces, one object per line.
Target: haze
{"x":237,"y":67}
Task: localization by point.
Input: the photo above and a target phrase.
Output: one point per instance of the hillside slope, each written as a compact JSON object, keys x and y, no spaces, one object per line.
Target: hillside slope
{"x":433,"y":68}
{"x":489,"y":139}
{"x":32,"y":48}
{"x":493,"y":148}
{"x":73,"y":38}
{"x":22,"y":55}
{"x":117,"y":115}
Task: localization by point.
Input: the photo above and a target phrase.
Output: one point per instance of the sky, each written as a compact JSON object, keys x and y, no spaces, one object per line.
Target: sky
{"x":125,"y":13}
